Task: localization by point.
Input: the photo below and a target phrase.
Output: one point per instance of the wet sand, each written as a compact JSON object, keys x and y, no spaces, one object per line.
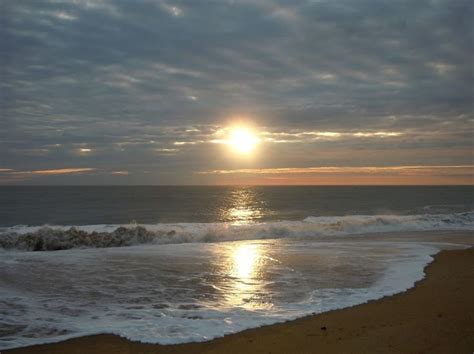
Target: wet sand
{"x":436,"y":316}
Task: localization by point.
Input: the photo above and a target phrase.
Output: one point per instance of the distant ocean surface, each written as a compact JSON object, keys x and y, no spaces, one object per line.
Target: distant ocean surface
{"x":149,"y":205}
{"x":180,"y":264}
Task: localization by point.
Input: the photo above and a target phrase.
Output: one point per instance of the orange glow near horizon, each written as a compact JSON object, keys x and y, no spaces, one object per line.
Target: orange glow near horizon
{"x":395,"y":175}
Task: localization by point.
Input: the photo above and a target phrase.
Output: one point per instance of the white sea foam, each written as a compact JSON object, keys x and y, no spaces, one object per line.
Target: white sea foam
{"x":41,"y":238}
{"x":183,"y":293}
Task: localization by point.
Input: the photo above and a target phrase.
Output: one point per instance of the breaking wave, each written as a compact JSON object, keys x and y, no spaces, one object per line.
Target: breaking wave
{"x":48,"y":238}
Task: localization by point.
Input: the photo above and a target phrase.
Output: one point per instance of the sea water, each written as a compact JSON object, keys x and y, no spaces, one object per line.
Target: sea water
{"x":181,"y":264}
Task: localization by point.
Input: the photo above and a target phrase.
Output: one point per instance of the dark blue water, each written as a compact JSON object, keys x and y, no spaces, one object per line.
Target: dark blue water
{"x":31,"y":205}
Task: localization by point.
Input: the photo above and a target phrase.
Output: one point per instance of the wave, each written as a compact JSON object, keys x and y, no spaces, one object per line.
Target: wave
{"x":48,"y":238}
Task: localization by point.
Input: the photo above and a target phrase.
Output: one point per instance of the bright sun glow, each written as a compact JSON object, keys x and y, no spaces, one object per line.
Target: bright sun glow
{"x":243,"y":140}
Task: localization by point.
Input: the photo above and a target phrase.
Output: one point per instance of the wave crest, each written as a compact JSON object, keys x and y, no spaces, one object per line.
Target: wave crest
{"x":53,"y":238}
{"x":48,"y":238}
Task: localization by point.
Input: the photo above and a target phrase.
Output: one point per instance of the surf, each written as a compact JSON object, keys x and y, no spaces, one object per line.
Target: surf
{"x":62,"y":237}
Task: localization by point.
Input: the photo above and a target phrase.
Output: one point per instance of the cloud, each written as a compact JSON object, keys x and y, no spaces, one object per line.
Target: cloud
{"x":112,"y":76}
{"x":60,"y":171}
{"x":399,"y":170}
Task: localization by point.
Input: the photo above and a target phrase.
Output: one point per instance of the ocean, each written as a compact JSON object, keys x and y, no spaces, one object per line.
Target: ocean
{"x":181,"y":264}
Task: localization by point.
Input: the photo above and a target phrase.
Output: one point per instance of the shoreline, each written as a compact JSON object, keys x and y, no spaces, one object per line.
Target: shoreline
{"x":435,"y":316}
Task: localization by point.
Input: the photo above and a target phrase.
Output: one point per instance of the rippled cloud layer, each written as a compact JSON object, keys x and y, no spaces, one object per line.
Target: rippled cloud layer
{"x":143,"y":92}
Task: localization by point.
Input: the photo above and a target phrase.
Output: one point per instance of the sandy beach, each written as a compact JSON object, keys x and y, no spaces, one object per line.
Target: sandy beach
{"x":436,"y":316}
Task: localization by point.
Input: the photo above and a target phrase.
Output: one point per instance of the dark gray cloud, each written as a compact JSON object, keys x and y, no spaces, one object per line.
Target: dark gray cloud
{"x":128,"y":80}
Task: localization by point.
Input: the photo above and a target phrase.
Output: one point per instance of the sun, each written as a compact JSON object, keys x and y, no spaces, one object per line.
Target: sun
{"x":242,"y":140}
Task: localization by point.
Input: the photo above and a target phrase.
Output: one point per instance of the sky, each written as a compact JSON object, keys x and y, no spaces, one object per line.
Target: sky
{"x":149,"y":91}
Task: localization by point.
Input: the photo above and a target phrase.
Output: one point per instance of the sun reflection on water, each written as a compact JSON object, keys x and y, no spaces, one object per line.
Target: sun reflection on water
{"x":242,"y":215}
{"x":245,"y":263}
{"x":245,"y":259}
{"x":243,"y":207}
